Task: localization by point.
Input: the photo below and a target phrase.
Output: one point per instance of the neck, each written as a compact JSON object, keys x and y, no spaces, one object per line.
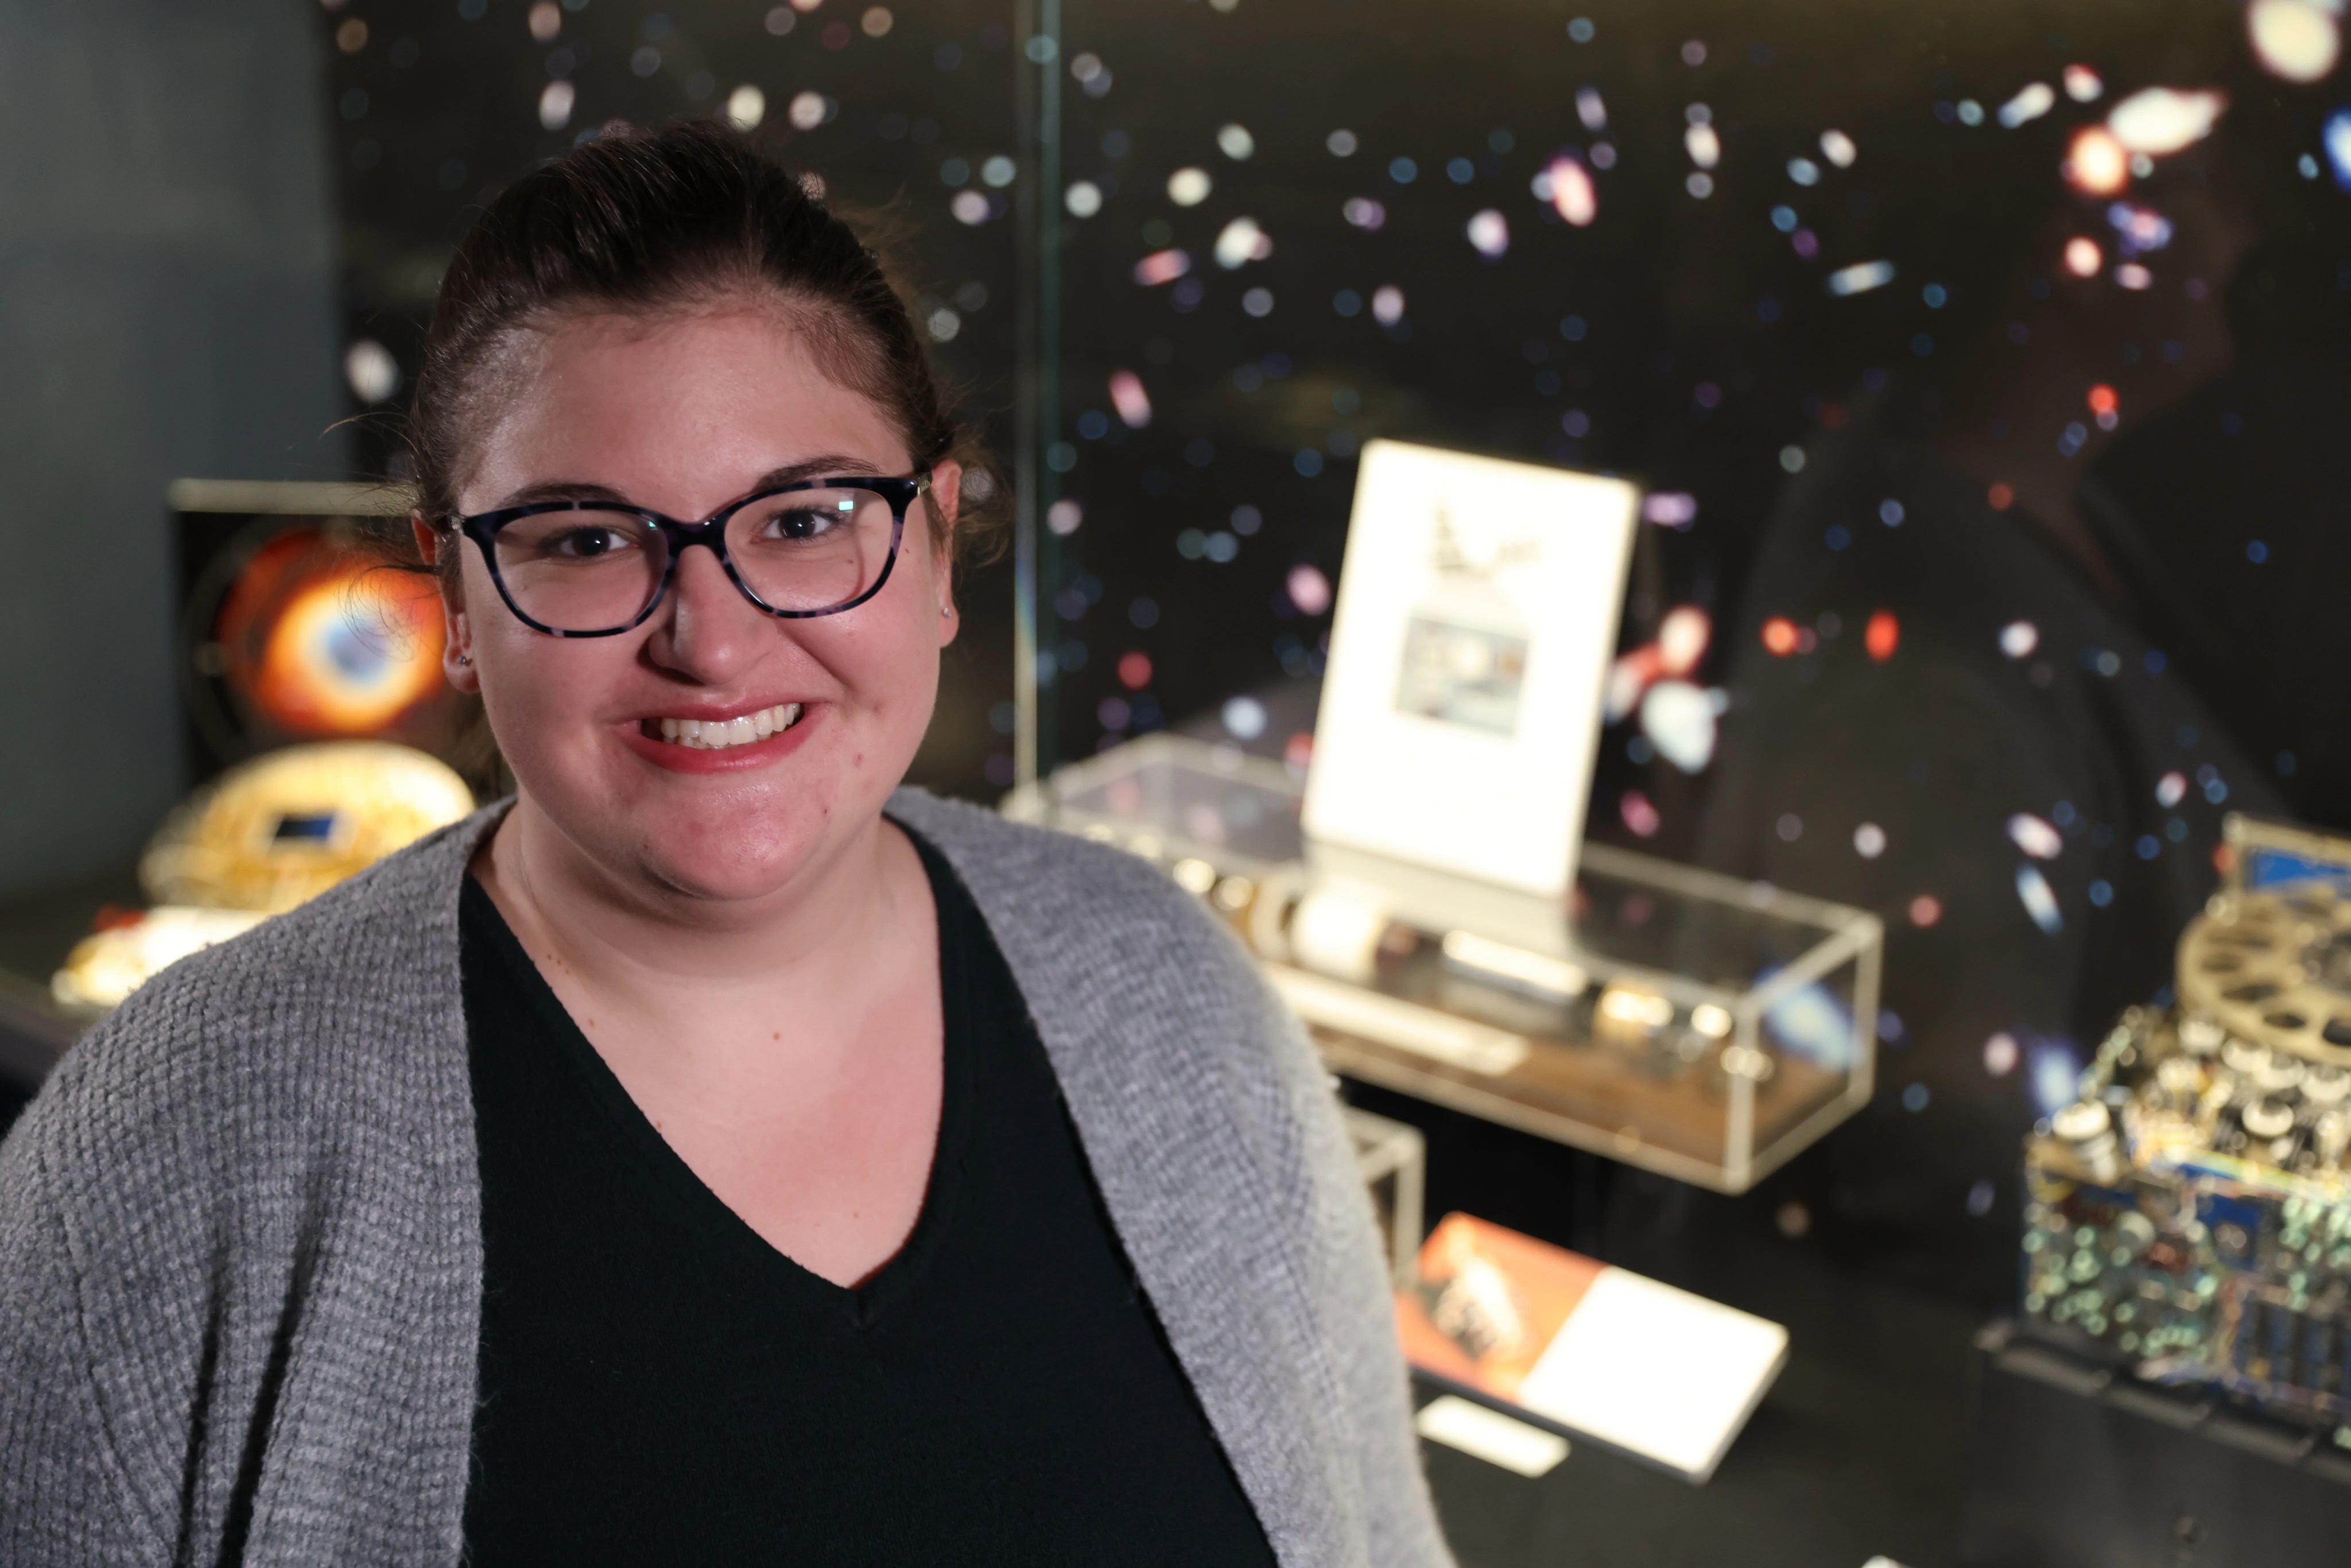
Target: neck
{"x":638,"y":945}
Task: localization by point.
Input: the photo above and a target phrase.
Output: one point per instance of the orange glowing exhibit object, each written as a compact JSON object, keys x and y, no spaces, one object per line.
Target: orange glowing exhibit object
{"x":1779,"y":636}
{"x":2083,"y":257}
{"x":332,"y":642}
{"x":2160,"y":120}
{"x":1682,"y":638}
{"x":1571,"y":192}
{"x":2097,"y":163}
{"x":350,"y":654}
{"x":2104,"y":400}
{"x":2299,"y":40}
{"x":1883,"y":637}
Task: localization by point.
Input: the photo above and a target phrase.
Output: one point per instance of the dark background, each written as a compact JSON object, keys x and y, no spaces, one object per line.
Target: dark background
{"x":1904,"y":450}
{"x":167,"y":306}
{"x":266,"y":185}
{"x":440,"y":102}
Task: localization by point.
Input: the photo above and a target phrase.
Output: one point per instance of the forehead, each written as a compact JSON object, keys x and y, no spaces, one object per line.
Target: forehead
{"x":700,"y":400}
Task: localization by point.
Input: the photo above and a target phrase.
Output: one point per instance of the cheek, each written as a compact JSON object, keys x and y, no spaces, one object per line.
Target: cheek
{"x":541,"y":693}
{"x":897,"y":666}
{"x":891,"y":675}
{"x":540,"y":696}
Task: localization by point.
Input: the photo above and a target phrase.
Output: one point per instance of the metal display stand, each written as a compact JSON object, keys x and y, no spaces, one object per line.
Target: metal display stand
{"x":2071,"y":1464}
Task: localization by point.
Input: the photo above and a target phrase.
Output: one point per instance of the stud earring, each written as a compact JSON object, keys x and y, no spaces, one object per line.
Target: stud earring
{"x":465,"y":658}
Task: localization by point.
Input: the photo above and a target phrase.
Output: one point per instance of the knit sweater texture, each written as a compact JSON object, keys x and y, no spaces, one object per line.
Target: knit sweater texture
{"x":241,"y":1249}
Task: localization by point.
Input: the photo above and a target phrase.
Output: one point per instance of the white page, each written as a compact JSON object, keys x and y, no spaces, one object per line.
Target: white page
{"x":1477,"y":617}
{"x":1490,"y":1435}
{"x":1655,"y":1371}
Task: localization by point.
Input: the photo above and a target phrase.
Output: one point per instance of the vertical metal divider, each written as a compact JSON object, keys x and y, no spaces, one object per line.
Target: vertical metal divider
{"x":1037,"y":215}
{"x":1868,"y":975}
{"x":1739,"y":1129}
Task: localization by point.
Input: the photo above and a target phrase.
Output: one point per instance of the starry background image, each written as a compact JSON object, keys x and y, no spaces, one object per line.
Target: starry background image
{"x":1983,"y":366}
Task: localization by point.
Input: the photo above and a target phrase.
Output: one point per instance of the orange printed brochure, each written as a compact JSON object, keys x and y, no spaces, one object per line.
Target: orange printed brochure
{"x":1634,"y":1365}
{"x":1486,"y":1304}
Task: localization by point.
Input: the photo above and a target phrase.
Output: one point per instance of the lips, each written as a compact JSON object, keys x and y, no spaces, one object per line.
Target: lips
{"x":722,"y":743}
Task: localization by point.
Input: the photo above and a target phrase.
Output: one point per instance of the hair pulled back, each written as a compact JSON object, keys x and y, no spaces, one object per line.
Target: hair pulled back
{"x":642,"y":223}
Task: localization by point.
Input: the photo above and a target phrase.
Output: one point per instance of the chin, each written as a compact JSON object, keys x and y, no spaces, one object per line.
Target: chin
{"x":735,"y":849}
{"x":710,"y":880}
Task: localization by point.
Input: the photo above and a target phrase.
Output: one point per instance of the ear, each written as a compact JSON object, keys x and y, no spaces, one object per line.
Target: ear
{"x":946,"y":495}
{"x":458,"y":636}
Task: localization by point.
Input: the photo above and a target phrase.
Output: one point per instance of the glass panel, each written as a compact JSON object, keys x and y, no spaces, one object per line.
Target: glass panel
{"x":1978,"y":376}
{"x":1691,"y":1024}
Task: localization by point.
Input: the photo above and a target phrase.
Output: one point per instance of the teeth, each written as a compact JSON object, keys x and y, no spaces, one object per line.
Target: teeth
{"x":716,"y":734}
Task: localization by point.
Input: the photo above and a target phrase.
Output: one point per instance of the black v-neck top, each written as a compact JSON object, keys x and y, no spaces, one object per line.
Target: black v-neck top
{"x":660,"y":1385}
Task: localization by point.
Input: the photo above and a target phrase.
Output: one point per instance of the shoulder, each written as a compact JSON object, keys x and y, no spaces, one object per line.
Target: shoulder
{"x":1050,"y":893}
{"x":992,"y":844}
{"x":1139,"y":994}
{"x":269,"y":1139}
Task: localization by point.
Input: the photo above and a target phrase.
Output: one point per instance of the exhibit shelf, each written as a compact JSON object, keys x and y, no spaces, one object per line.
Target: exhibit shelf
{"x":1689,"y":1023}
{"x":2072,"y":1462}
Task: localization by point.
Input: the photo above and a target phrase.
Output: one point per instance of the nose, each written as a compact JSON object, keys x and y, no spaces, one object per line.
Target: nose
{"x":706,"y":630}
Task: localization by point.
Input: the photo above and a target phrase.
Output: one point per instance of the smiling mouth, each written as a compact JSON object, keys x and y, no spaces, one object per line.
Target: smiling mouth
{"x":718,"y":734}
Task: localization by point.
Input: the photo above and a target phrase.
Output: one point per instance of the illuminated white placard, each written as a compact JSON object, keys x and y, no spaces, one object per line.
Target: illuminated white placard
{"x":1477,"y":617}
{"x":1655,"y":1371}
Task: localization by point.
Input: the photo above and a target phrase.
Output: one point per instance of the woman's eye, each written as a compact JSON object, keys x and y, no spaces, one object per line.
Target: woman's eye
{"x":800,"y":523}
{"x":586,"y":544}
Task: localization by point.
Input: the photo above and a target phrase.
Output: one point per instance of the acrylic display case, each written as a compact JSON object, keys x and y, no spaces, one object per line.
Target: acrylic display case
{"x":1706,"y":1029}
{"x":1393,"y":1159}
{"x":1831,"y":287}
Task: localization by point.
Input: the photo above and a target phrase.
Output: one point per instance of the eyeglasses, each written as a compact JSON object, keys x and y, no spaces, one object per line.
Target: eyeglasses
{"x":596,"y":569}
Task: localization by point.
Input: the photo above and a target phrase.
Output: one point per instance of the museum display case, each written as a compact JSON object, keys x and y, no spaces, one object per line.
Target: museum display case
{"x":1971,"y":382}
{"x":1688,"y":1024}
{"x":319,"y":732}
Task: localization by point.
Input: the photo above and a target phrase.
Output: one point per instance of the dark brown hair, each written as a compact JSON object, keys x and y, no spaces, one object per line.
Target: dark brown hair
{"x":639,"y":222}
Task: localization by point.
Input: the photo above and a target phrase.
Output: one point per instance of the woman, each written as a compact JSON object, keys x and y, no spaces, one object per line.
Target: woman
{"x":718,"y":1154}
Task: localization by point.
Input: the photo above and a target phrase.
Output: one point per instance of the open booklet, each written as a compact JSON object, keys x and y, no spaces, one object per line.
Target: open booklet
{"x":1591,"y":1350}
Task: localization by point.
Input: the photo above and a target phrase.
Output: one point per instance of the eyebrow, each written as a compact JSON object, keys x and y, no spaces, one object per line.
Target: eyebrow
{"x":822,"y":466}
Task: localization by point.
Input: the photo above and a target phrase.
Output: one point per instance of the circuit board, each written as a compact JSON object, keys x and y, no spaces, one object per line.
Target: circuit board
{"x":2191,"y":1213}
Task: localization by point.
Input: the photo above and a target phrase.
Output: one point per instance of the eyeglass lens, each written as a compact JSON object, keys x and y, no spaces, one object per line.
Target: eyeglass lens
{"x":805,"y":550}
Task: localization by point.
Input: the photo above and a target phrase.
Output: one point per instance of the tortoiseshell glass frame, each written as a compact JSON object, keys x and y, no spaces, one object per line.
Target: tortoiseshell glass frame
{"x":483,"y":528}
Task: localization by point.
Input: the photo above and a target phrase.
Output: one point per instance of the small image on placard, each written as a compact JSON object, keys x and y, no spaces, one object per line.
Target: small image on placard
{"x":1587,"y":1347}
{"x":1465,"y":646}
{"x":1488,"y":1302}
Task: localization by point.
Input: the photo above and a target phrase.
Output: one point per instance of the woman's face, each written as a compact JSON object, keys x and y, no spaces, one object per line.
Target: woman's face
{"x":681,"y":413}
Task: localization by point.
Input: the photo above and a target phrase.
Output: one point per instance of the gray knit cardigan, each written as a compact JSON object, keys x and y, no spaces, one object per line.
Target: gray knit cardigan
{"x":241,"y":1250}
